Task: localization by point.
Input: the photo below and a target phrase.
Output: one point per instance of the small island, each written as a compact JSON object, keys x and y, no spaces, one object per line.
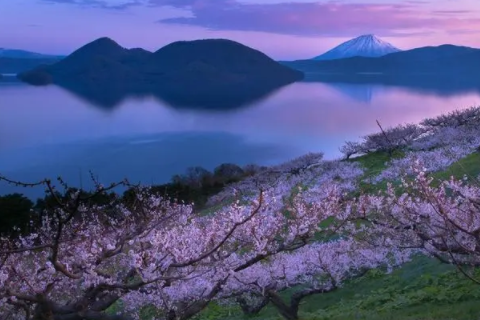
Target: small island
{"x":187,"y":73}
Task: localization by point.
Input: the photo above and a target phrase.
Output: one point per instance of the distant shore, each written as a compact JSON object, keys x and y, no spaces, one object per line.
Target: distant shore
{"x":8,"y":75}
{"x":9,"y":78}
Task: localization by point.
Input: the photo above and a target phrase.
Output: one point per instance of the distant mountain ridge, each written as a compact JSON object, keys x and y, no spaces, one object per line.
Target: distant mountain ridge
{"x":444,"y":59}
{"x":15,"y":60}
{"x":17,"y":65}
{"x":23,"y":54}
{"x":363,"y":46}
{"x":444,"y":69}
{"x":213,"y":72}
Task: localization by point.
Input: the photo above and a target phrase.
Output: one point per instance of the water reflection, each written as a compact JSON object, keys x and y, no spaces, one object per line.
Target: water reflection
{"x":111,"y":96}
{"x":444,"y":85}
{"x":363,"y":93}
{"x":46,"y":132}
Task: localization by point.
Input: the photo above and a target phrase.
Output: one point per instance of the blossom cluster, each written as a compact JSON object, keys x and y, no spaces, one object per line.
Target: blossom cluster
{"x":153,"y":252}
{"x":435,"y":152}
{"x":444,"y":130}
{"x":443,"y":220}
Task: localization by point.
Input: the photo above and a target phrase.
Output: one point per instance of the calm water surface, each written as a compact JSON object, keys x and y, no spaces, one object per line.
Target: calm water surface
{"x":47,"y":131}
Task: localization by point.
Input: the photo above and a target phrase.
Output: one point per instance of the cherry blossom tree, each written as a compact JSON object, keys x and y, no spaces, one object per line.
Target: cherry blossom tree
{"x":440,"y":217}
{"x":436,"y":151}
{"x":387,"y":140}
{"x":85,"y":259}
{"x":445,"y":137}
{"x":442,"y":131}
{"x":455,"y":118}
{"x":315,"y":269}
{"x":351,"y":148}
{"x":307,"y":172}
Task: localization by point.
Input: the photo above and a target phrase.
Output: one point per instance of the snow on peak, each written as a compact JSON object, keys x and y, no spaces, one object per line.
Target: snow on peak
{"x":367,"y":45}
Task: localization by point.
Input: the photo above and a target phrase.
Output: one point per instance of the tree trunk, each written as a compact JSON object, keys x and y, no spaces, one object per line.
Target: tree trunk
{"x":189,"y":311}
{"x":252,"y":309}
{"x":43,"y":311}
{"x":288,"y":312}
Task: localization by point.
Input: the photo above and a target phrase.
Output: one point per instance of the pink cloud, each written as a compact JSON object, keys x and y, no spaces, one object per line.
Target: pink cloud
{"x":285,"y":31}
{"x":332,"y":19}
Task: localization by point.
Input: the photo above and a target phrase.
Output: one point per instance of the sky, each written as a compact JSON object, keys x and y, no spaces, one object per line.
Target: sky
{"x":283,"y":29}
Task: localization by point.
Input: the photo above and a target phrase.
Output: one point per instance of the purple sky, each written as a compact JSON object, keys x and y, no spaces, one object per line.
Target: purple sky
{"x":284,"y":29}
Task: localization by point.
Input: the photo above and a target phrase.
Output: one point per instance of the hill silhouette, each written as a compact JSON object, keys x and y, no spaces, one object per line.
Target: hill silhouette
{"x":444,"y":59}
{"x":201,"y":73}
{"x":23,"y":54}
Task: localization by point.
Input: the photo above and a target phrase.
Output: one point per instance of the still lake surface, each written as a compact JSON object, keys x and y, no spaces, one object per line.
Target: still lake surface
{"x":49,"y":132}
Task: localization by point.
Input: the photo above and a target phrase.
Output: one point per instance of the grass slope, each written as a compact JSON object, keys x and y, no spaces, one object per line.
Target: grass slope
{"x":423,"y":289}
{"x":469,"y":166}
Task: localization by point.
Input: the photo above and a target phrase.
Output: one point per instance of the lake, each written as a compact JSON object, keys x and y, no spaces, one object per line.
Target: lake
{"x":50,"y":132}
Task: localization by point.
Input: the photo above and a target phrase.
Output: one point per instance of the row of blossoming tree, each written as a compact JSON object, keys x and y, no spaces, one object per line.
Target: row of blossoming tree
{"x":289,"y":225}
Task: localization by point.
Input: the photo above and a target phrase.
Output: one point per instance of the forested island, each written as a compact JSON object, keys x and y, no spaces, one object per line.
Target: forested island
{"x":211,"y":73}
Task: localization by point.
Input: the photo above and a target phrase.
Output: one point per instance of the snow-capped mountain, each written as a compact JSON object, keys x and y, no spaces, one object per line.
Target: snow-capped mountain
{"x":364,"y":46}
{"x":22,"y":54}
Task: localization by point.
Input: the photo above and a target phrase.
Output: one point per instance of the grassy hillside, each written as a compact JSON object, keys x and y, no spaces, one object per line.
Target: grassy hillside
{"x":469,"y":166}
{"x":423,"y":289}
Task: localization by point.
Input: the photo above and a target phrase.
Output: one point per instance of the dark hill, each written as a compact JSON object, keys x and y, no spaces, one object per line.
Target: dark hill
{"x":102,"y":46}
{"x":445,"y":59}
{"x":98,"y":61}
{"x":193,"y":72}
{"x":216,"y":56}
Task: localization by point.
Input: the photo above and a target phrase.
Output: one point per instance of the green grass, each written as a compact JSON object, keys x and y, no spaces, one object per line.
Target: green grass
{"x":469,"y":166}
{"x":373,"y":164}
{"x":423,"y":289}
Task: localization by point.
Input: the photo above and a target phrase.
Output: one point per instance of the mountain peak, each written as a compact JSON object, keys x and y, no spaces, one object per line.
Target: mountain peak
{"x":367,"y":45}
{"x":100,"y":46}
{"x":104,"y":43}
{"x":367,"y":36}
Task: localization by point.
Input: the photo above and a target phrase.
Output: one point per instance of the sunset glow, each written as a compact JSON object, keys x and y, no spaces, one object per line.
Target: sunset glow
{"x":282,"y":29}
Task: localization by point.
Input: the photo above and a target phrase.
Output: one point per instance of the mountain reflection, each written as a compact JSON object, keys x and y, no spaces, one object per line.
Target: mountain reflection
{"x":47,"y":131}
{"x":363,"y":93}
{"x":359,"y":86}
{"x":110,"y":96}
